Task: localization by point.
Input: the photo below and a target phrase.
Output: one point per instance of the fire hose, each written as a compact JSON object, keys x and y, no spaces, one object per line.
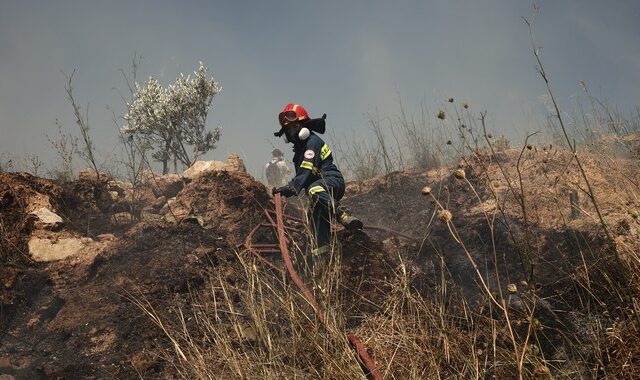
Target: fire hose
{"x":362,"y":352}
{"x":256,"y":249}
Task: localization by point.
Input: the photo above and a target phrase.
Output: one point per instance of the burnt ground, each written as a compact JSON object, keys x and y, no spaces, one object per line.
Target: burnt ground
{"x":77,"y":317}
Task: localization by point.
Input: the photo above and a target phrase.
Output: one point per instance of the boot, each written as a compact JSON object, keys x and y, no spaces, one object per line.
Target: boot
{"x":349,"y":222}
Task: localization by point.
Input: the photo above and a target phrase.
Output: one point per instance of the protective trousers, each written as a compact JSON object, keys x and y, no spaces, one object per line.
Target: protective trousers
{"x":325,"y":194}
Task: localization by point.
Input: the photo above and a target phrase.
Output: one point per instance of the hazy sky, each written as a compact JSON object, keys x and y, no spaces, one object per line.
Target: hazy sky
{"x":345,"y":58}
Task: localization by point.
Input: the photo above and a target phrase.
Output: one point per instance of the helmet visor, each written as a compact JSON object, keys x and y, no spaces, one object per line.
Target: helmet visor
{"x":287,"y":117}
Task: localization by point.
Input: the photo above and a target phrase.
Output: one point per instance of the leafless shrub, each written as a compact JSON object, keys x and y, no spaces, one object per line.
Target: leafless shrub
{"x":65,"y":146}
{"x":87,"y":151}
{"x":33,"y":164}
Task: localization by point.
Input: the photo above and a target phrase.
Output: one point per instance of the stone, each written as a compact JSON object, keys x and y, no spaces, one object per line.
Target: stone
{"x":200,"y":167}
{"x":89,"y":174}
{"x":194,"y":219}
{"x":106,"y":237}
{"x":114,"y":195}
{"x":158,"y":203}
{"x":47,"y":219}
{"x":235,"y":163}
{"x":46,"y":250}
{"x":165,"y":208}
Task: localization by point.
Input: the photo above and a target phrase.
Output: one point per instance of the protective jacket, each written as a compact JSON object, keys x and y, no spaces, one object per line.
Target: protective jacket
{"x":313,"y":162}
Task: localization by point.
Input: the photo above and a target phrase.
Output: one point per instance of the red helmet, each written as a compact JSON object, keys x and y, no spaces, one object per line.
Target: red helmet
{"x":292,"y":112}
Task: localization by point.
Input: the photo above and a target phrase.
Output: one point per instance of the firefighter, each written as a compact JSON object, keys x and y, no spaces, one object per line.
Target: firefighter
{"x":277,"y":170}
{"x":316,"y":173}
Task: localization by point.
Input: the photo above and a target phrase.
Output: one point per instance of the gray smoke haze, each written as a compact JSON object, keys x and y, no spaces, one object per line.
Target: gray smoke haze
{"x":342,"y":58}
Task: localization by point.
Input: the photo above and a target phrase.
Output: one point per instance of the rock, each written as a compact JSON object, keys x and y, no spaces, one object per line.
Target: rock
{"x":114,"y":195}
{"x":176,"y":210}
{"x":194,"y":219}
{"x":47,"y":250}
{"x":47,"y":219}
{"x":158,"y":203}
{"x":233,"y":164}
{"x":89,"y":174}
{"x":165,"y":208}
{"x":200,"y":167}
{"x":167,"y":185}
{"x":106,"y":237}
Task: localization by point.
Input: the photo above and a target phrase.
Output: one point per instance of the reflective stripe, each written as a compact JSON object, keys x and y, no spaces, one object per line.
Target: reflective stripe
{"x":316,"y":189}
{"x":325,"y":151}
{"x":306,"y":165}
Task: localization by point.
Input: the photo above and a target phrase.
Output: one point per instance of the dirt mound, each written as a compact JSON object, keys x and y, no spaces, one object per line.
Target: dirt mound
{"x":80,"y":320}
{"x":77,"y":316}
{"x":81,"y":316}
{"x":513,"y":222}
{"x":541,"y":178}
{"x":231,"y":203}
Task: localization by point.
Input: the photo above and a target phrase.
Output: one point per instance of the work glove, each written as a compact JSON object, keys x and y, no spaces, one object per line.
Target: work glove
{"x":285,"y":191}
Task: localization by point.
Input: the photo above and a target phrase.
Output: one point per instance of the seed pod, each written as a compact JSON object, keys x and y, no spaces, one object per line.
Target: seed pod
{"x":512,"y":288}
{"x":460,"y":174}
{"x":445,"y":216}
{"x":426,"y":190}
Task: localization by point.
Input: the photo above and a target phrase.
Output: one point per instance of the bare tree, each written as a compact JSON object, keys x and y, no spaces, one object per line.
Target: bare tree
{"x":65,"y":146}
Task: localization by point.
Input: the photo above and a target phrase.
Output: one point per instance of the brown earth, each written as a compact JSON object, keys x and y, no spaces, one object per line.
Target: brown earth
{"x":78,"y":318}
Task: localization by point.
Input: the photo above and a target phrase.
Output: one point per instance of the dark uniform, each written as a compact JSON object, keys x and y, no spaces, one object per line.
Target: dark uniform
{"x":316,"y":172}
